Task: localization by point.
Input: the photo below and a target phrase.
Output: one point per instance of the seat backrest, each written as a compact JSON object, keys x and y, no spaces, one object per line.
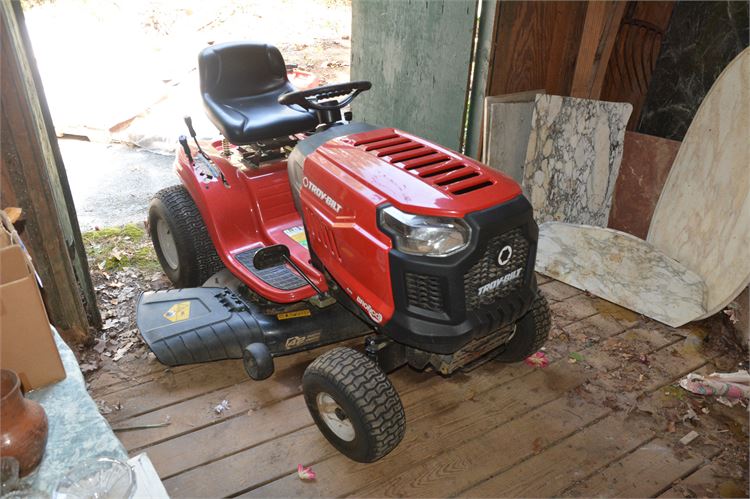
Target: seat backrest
{"x":240,"y":69}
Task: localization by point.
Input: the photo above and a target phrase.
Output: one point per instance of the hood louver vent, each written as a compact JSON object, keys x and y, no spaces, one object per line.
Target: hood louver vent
{"x":443,"y":170}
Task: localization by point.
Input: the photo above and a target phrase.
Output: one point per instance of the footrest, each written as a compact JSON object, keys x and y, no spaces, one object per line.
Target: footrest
{"x":280,"y":277}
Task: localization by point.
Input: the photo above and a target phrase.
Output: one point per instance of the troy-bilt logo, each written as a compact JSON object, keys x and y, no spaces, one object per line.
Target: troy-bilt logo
{"x":321,"y":194}
{"x":510,"y":276}
{"x":377,"y":317}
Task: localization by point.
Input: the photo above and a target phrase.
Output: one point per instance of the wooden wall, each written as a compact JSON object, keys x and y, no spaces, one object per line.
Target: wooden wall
{"x":33,"y":178}
{"x":636,"y":50}
{"x":535,"y":46}
{"x":599,"y":50}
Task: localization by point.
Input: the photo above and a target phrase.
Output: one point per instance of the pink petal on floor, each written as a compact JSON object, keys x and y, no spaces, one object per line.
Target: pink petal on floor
{"x":538,"y":359}
{"x":305,"y":473}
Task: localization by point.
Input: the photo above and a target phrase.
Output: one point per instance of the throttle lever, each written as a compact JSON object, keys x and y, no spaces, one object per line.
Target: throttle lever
{"x":189,"y":123}
{"x":185,"y":147}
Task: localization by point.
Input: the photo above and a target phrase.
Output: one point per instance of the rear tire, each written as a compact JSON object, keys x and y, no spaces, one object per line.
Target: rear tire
{"x":532,"y":331}
{"x":354,"y":404}
{"x":180,"y":238}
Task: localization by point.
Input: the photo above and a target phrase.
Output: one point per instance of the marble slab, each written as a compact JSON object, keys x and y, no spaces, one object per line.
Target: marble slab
{"x":702,"y":218}
{"x":646,"y":161}
{"x":621,"y":268}
{"x":573,"y":158}
{"x":702,"y":38}
{"x":507,"y":128}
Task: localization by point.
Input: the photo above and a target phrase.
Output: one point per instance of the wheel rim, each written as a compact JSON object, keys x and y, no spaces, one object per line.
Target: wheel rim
{"x":167,"y":244}
{"x":334,"y":417}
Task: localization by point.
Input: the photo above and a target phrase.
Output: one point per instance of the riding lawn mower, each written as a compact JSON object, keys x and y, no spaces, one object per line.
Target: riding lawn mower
{"x":334,"y":229}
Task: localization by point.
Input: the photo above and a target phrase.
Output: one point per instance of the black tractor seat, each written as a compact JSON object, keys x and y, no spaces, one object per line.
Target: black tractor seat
{"x":240,"y":84}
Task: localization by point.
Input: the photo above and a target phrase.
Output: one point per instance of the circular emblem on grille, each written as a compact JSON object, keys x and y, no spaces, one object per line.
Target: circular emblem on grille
{"x":504,"y":256}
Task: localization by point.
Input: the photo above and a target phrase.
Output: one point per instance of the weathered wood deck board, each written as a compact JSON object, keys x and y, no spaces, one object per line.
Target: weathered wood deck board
{"x":421,"y":399}
{"x":501,"y":442}
{"x":179,"y":385}
{"x":347,"y":477}
{"x":552,"y":471}
{"x":430,"y":435}
{"x":640,"y":474}
{"x":245,"y":397}
{"x":501,"y":430}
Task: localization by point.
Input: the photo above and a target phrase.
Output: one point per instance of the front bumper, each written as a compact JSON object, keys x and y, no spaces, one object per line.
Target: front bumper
{"x":441,"y":304}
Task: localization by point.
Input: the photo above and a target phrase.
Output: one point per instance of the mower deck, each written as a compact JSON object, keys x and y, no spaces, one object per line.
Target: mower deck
{"x":184,"y":326}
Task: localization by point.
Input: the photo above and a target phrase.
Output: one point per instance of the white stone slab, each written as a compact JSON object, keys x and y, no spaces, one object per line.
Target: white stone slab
{"x":507,"y":126}
{"x":621,"y":268}
{"x":702,"y":217}
{"x":573,"y":158}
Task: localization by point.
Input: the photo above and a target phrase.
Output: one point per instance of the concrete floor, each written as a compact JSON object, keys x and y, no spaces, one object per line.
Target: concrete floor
{"x":112,"y":184}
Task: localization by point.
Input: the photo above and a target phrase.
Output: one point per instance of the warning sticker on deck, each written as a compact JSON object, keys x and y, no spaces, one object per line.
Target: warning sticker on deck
{"x":294,"y":314}
{"x":178,"y":312}
{"x":297,"y":234}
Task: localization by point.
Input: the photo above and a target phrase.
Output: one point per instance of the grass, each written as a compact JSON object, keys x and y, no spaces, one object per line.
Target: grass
{"x":115,"y":248}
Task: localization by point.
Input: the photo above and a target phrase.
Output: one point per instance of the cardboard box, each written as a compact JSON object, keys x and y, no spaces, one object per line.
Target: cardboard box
{"x":26,"y":342}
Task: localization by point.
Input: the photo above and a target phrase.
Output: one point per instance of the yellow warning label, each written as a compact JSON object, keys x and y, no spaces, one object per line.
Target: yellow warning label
{"x":294,"y":315}
{"x":297,"y":234}
{"x":178,"y":312}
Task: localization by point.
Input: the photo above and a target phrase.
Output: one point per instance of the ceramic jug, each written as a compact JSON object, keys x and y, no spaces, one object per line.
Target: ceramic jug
{"x":23,"y":424}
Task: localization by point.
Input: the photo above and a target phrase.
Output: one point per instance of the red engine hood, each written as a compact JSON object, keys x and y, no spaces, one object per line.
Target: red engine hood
{"x":418,"y":176}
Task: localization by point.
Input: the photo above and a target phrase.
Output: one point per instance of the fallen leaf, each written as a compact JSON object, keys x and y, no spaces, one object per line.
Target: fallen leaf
{"x":100,"y":346}
{"x":574,"y":357}
{"x":122,"y":351}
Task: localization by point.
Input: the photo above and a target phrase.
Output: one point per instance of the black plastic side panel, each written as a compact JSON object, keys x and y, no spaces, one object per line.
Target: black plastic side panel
{"x":185,"y":326}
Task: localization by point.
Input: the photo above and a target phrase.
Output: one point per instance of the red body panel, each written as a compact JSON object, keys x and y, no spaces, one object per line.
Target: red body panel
{"x":418,"y":176}
{"x":347,"y":239}
{"x":254,"y":209}
{"x":345,"y":180}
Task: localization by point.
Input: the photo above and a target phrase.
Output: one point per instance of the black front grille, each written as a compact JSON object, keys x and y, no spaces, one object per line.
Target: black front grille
{"x":483,"y":282}
{"x":423,"y":291}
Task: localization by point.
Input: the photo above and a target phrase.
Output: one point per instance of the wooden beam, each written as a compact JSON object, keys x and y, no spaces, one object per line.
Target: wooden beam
{"x":600,"y":29}
{"x":634,"y":55}
{"x":32,"y":180}
{"x":59,"y":182}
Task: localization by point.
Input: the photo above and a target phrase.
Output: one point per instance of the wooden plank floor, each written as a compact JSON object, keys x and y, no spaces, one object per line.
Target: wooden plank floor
{"x":597,"y":424}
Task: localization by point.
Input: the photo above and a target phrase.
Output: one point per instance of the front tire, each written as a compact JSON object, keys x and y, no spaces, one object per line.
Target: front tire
{"x":354,"y":404}
{"x":532,"y":331}
{"x":181,"y":240}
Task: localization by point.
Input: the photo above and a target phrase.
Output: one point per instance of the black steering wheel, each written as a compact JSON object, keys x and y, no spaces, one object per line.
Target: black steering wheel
{"x":323,"y":98}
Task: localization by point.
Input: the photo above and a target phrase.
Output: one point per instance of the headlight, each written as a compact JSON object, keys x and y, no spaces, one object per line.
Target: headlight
{"x":422,"y":235}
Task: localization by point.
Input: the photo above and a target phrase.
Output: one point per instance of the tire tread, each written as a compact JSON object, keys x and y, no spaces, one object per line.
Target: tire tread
{"x":191,"y":233}
{"x":363,"y":382}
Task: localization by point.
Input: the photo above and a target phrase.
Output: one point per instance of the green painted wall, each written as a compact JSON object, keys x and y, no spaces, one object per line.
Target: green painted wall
{"x":417,"y":54}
